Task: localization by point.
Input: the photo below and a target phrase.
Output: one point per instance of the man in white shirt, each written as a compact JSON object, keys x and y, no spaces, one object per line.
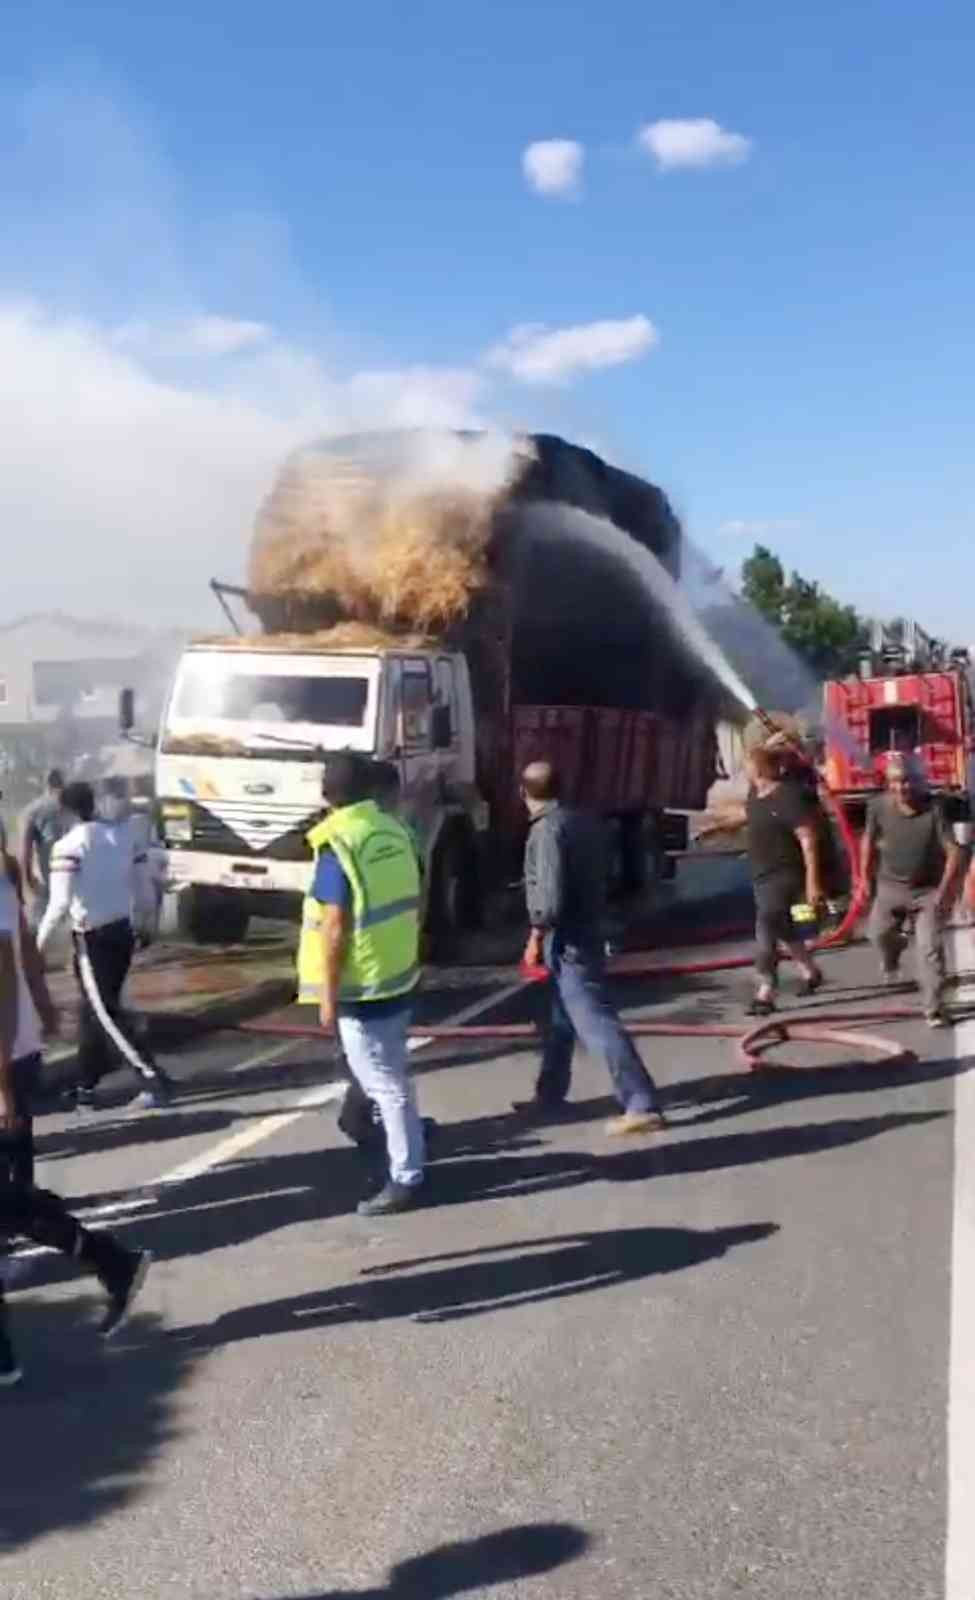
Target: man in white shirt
{"x":25,"y":1009}
{"x":100,"y":882}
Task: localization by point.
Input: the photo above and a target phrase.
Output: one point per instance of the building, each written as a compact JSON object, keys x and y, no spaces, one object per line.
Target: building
{"x":60,"y":678}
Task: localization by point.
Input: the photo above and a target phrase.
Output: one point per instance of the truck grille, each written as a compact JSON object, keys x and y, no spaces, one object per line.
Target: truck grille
{"x":274,"y":832}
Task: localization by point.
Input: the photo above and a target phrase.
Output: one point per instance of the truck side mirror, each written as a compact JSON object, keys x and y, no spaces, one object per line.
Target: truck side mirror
{"x":442,"y":728}
{"x":126,"y":710}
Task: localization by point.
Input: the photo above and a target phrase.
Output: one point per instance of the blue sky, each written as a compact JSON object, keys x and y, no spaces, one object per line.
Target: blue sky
{"x":347,"y":183}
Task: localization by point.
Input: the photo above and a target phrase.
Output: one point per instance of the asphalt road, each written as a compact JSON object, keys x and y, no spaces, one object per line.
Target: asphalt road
{"x":714,"y":1366}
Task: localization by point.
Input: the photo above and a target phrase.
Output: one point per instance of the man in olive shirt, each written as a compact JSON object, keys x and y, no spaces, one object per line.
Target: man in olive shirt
{"x":919,"y":866}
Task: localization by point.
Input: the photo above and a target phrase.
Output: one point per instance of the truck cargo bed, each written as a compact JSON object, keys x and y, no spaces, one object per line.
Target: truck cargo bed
{"x":615,"y":761}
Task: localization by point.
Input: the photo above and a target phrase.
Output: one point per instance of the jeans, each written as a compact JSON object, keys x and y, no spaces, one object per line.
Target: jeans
{"x":582,"y":1009}
{"x":893,"y":903}
{"x":375,"y":1049}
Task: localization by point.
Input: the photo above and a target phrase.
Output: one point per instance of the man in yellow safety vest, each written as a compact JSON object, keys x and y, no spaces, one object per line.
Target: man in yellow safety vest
{"x":358,"y":959}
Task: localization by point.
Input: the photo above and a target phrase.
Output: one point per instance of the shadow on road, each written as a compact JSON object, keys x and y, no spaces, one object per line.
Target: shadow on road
{"x":467,"y":1283}
{"x":470,"y":1564}
{"x":105,"y":1131}
{"x":496,"y":1159}
{"x":81,"y":1434}
{"x":733,"y":1094}
{"x":761,"y":1145}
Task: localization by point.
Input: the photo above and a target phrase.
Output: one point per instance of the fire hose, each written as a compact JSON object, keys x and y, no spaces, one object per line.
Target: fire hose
{"x":837,"y":1029}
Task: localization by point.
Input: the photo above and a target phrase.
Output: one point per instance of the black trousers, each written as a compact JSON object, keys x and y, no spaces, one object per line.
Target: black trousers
{"x":17,"y":1149}
{"x":774,"y":898}
{"x":42,"y":1216}
{"x":102,"y":958}
{"x":38,"y":1214}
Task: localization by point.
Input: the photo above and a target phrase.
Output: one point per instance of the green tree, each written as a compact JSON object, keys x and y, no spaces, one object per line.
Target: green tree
{"x":827,"y":635}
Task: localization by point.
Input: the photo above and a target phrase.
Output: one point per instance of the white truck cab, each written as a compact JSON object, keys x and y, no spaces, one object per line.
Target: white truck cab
{"x":239,"y":770}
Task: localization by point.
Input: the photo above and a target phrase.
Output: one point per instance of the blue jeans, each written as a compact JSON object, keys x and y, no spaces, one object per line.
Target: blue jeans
{"x":375,"y":1050}
{"x":582,"y":1009}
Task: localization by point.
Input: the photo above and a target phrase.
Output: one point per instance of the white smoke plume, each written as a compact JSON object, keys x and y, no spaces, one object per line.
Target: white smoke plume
{"x":147,"y":398}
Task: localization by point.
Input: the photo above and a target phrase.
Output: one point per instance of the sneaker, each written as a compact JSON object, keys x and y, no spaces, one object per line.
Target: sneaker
{"x":632,"y":1122}
{"x":936,"y":1019}
{"x":391,"y":1198}
{"x":890,"y":977}
{"x":10,"y":1372}
{"x":123,"y":1287}
{"x":157,"y":1097}
{"x":81,"y":1100}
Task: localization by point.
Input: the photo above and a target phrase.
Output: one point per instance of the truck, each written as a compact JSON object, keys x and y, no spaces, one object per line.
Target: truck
{"x":913,"y":696}
{"x":558,"y":655}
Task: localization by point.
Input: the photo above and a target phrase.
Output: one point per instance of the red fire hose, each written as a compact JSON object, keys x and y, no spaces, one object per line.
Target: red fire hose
{"x":837,"y":1029}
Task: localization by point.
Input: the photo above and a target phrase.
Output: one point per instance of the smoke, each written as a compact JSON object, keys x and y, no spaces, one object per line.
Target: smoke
{"x":158,"y":366}
{"x":399,"y":538}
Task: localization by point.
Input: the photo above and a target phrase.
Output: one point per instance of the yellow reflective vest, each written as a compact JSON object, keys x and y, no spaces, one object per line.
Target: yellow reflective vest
{"x":379,"y":860}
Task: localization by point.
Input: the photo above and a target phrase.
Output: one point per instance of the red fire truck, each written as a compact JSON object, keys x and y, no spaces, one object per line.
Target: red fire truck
{"x":913,"y":697}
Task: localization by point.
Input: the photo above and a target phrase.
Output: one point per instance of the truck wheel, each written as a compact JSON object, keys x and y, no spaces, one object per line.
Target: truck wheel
{"x":454,"y":895}
{"x":205,"y":916}
{"x":633,"y":851}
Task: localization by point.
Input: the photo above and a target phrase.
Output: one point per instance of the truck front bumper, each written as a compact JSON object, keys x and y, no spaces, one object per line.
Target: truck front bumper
{"x":189,"y":868}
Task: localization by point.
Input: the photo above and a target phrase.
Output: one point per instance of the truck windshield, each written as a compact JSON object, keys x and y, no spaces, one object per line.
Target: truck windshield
{"x":263,"y":699}
{"x":283,"y":707}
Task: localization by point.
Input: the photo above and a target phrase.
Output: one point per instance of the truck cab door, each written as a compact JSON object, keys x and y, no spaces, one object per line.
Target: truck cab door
{"x":419,"y":762}
{"x":446,"y":717}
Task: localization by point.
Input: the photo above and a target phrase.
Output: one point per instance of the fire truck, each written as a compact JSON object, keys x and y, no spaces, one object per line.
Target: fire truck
{"x":913,"y":697}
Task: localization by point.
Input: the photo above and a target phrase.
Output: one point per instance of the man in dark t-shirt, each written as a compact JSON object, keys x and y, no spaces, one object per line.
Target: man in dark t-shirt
{"x":782,"y":818}
{"x":908,"y":843}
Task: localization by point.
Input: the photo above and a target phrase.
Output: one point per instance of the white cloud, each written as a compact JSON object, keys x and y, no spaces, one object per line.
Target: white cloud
{"x":535,"y":353}
{"x":206,"y":335}
{"x":693,"y":142}
{"x":553,"y":167}
{"x":226,"y":336}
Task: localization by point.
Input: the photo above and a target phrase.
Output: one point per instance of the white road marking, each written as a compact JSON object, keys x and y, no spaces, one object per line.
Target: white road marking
{"x":960,"y":1551}
{"x":470,"y":1012}
{"x":322,"y":1094}
{"x":264,"y":1058}
{"x":245,"y":1138}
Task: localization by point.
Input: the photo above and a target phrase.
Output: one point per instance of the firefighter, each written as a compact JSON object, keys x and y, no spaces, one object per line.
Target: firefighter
{"x":100,"y":882}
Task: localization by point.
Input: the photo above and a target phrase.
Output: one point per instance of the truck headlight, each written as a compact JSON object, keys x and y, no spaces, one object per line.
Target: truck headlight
{"x":177,"y":824}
